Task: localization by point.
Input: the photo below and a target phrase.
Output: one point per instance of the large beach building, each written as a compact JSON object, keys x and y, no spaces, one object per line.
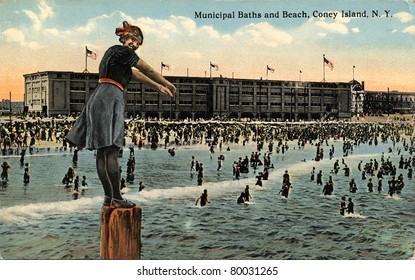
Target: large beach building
{"x":389,"y":102}
{"x":55,"y":92}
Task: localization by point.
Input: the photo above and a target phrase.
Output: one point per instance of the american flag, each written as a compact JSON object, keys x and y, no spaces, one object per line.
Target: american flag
{"x":329,"y":63}
{"x":165,"y":66}
{"x":216,"y":66}
{"x":270,"y":69}
{"x":91,"y":54}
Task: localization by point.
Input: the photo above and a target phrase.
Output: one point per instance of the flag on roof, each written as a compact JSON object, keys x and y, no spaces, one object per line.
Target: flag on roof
{"x":270,"y":69}
{"x":165,"y":66}
{"x":216,"y":66}
{"x":329,"y":63}
{"x":91,"y":53}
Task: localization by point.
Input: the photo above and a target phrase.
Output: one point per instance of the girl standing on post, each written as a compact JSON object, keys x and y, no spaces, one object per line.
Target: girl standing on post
{"x":100,"y":126}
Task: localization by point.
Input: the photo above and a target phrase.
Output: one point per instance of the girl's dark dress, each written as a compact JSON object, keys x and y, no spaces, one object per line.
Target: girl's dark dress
{"x":101,"y":123}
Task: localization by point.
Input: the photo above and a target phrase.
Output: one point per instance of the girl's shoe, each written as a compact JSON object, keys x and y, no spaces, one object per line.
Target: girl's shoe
{"x":107,"y":201}
{"x":122,"y":203}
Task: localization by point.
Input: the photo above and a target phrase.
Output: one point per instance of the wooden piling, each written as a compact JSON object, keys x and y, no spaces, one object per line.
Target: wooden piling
{"x":120,"y":233}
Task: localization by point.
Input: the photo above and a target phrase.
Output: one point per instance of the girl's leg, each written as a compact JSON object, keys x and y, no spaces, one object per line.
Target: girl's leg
{"x":113,"y":170}
{"x":101,"y":164}
{"x":109,"y":173}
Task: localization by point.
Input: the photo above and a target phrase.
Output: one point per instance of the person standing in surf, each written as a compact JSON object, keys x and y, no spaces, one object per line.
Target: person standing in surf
{"x":247,"y":193}
{"x":350,"y":206}
{"x":203,"y":199}
{"x":343,"y":205}
{"x":100,"y":126}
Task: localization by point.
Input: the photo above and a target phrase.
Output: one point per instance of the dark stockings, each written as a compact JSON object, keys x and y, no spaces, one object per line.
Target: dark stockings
{"x":109,"y":170}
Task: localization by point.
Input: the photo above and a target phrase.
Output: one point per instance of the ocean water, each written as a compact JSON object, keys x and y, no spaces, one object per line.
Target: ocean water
{"x":43,"y":220}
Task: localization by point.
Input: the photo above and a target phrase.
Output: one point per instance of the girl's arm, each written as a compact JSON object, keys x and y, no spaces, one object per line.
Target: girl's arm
{"x":146,"y":74}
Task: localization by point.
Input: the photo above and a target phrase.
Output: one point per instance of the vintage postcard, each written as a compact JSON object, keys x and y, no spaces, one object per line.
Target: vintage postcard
{"x":251,"y":132}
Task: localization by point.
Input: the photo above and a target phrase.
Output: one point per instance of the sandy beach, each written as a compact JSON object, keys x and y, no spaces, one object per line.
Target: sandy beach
{"x":41,"y":144}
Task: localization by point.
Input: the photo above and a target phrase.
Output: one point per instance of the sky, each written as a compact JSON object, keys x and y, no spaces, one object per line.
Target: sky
{"x":377,"y":48}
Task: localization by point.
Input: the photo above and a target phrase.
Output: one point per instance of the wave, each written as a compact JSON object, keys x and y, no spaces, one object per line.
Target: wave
{"x":31,"y":213}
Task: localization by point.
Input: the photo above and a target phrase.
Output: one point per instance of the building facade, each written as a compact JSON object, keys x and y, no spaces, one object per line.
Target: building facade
{"x":55,"y":92}
{"x":389,"y":102}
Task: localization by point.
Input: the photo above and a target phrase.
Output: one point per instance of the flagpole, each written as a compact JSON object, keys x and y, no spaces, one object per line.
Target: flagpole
{"x":86,"y":60}
{"x":353,"y":73}
{"x":210,"y":68}
{"x":267,"y":72}
{"x":324,"y":69}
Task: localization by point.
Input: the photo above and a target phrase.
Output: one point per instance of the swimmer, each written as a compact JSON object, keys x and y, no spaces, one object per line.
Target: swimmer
{"x":84,"y":183}
{"x":203,"y":198}
{"x":141,"y":186}
{"x":247,"y":193}
{"x":241,"y":198}
{"x":352,"y":186}
{"x":350,"y":206}
{"x":370,"y":185}
{"x":5,"y":171}
{"x":343,"y":205}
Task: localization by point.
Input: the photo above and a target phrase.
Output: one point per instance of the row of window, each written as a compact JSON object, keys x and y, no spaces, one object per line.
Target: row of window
{"x":165,"y":102}
{"x":397,"y":98}
{"x":80,"y":86}
{"x":277,"y":104}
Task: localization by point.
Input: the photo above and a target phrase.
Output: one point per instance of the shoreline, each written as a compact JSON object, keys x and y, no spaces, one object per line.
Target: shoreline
{"x":408,"y":119}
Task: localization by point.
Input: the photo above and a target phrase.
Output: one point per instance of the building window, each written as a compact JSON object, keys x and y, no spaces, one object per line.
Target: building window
{"x":234,"y":90}
{"x":131,"y":102}
{"x":186,"y":90}
{"x":247,"y":91}
{"x":184,"y":102}
{"x":150,"y":90}
{"x":185,"y":81}
{"x":77,"y":101}
{"x":247,"y":103}
{"x":202,"y":90}
{"x":151,"y":102}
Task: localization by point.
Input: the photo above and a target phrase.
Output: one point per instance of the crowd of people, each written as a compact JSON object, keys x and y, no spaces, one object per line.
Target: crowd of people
{"x":270,"y":138}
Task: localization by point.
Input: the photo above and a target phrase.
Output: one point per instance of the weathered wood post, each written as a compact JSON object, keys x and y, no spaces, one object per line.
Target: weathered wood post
{"x":120,"y":233}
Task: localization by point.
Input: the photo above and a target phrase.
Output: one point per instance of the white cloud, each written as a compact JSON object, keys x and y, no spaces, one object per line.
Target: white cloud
{"x":185,"y":29}
{"x":34,"y":45}
{"x":187,"y":23}
{"x":54,"y":32}
{"x":37,"y":19}
{"x":321,"y":34}
{"x":213,"y":34}
{"x":334,"y":27}
{"x":194,"y":55}
{"x":355,"y":30}
{"x":410,"y":30}
{"x":45,"y":10}
{"x":13,"y":35}
{"x":94,"y":23}
{"x":343,"y":19}
{"x":37,"y":24}
{"x":404,"y":17}
{"x":263,"y":34}
{"x":57,"y":32}
{"x":163,"y":28}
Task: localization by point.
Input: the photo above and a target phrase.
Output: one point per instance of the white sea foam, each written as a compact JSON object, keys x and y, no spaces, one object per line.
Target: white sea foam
{"x":28,"y":213}
{"x":355,"y":216}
